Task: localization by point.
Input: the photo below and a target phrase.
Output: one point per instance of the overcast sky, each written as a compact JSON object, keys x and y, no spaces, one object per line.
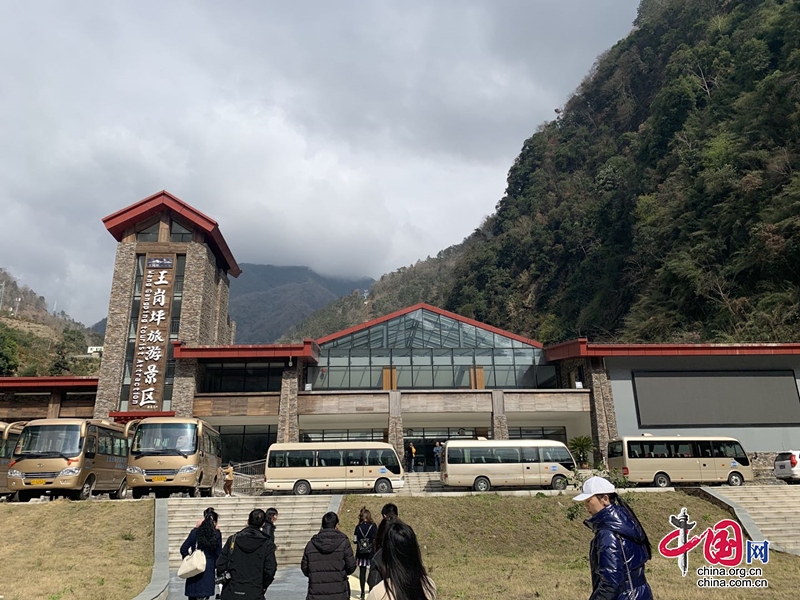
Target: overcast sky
{"x":352,"y":137}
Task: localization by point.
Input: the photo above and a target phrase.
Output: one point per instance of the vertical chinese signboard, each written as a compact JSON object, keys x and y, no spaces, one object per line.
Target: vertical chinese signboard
{"x":152,"y":334}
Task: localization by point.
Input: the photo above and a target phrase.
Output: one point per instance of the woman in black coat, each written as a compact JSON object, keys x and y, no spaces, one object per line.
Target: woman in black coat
{"x":204,"y":538}
{"x":364,"y":538}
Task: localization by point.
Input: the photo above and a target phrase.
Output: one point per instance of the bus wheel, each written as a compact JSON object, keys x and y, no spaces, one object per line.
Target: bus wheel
{"x":22,"y":497}
{"x":661,"y":480}
{"x":559,"y":482}
{"x":138,"y":493}
{"x":302,"y":488}
{"x":481,"y":485}
{"x":735,"y":479}
{"x":383,"y":486}
{"x":205,"y":493}
{"x":86,"y":490}
{"x":121,"y":492}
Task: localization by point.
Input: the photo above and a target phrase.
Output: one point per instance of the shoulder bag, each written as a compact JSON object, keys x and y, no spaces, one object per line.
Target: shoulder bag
{"x":193,"y":564}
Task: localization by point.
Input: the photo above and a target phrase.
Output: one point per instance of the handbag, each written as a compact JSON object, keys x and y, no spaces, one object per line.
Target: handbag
{"x":193,"y":564}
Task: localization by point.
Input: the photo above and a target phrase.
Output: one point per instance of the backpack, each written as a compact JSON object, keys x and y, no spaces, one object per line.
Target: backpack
{"x":364,"y":545}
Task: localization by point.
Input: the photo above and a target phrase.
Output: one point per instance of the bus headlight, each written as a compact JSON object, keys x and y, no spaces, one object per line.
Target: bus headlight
{"x":14,"y":473}
{"x":135,"y":470}
{"x":70,"y":471}
{"x":188,"y":469}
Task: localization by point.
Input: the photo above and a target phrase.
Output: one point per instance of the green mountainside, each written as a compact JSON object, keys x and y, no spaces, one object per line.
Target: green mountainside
{"x":428,"y":280}
{"x":34,"y":341}
{"x":663,"y":203}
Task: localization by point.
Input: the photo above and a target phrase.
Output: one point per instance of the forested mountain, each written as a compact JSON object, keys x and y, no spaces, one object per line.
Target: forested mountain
{"x":428,"y":280}
{"x":663,"y":202}
{"x":265,"y":300}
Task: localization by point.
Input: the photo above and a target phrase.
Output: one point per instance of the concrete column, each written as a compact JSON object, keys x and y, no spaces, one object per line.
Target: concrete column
{"x":288,"y":426}
{"x":396,"y":437}
{"x":499,"y":419}
{"x":601,"y":402}
{"x":54,"y":406}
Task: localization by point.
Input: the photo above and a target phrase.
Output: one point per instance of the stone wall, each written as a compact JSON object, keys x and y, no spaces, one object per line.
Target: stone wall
{"x":223,"y":333}
{"x":395,"y":434}
{"x":499,"y":419}
{"x":199,"y":296}
{"x":184,"y":387}
{"x":112,"y":366}
{"x":288,"y":425}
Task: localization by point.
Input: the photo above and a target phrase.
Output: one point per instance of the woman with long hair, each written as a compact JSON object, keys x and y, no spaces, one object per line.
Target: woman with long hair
{"x":364,"y":538}
{"x":620,"y":547}
{"x":404,"y":575}
{"x":206,"y":538}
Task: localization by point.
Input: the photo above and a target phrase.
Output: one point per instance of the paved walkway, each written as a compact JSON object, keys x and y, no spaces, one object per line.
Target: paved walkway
{"x":289,"y":584}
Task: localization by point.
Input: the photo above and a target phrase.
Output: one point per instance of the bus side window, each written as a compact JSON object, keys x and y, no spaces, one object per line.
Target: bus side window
{"x":455,"y":456}
{"x":530,"y":455}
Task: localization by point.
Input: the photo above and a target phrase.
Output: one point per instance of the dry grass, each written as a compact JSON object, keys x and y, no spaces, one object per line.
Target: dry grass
{"x":504,"y":547}
{"x":69,"y":550}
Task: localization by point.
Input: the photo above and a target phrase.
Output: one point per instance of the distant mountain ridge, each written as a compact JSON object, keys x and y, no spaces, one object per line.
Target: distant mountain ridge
{"x":267,"y":300}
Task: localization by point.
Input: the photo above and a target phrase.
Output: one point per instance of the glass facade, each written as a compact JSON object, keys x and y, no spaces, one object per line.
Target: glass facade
{"x":245,"y":443}
{"x":242,"y":377}
{"x":426,"y":350}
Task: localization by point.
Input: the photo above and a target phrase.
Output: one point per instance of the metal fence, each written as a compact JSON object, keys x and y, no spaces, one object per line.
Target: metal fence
{"x":248,"y":478}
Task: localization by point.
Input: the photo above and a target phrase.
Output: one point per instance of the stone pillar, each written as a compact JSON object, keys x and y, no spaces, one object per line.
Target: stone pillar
{"x":54,"y":406}
{"x":601,"y":402}
{"x":184,"y":387}
{"x":499,"y":419}
{"x":112,"y":366}
{"x":396,"y":437}
{"x":288,"y":426}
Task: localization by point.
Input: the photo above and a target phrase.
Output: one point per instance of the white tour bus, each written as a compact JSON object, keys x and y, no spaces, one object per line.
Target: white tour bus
{"x":327,"y":466}
{"x":483,"y":464}
{"x":661,"y":460}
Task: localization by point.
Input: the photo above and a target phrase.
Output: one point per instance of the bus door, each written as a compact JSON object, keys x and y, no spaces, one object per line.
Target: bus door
{"x":509,"y":467}
{"x":555,"y":460}
{"x":531,"y":466}
{"x":332,"y":470}
{"x":90,"y":453}
{"x":108,"y":476}
{"x":705,"y":454}
{"x":354,"y":459}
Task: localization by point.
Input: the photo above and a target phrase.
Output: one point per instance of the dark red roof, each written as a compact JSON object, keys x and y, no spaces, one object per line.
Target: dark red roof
{"x":434,"y":309}
{"x":48,"y":384}
{"x":308,"y":350}
{"x":121,"y":220}
{"x":582,"y":347}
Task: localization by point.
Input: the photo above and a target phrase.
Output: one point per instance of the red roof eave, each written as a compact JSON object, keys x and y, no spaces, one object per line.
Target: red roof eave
{"x":48,"y":384}
{"x":582,"y":348}
{"x":308,"y":350}
{"x":433,"y":309}
{"x":118,"y":222}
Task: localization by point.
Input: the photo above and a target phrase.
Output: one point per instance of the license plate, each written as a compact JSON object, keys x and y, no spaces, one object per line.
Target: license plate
{"x":160,"y":478}
{"x":781,"y":466}
{"x":38,"y":481}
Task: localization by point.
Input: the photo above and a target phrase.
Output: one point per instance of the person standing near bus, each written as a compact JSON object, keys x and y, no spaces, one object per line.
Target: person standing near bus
{"x":620,"y":547}
{"x":207,"y":539}
{"x":411,"y":455}
{"x":227,"y":476}
{"x":437,"y":455}
{"x":364,"y":538}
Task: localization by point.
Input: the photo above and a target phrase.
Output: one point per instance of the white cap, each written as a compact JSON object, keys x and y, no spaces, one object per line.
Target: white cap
{"x":595,"y":485}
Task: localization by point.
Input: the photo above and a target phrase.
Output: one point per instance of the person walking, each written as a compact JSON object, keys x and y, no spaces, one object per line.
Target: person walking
{"x":411,"y":455}
{"x":620,"y":546}
{"x":227,"y":477}
{"x":205,"y":538}
{"x":327,"y":561}
{"x":364,"y":538}
{"x":269,"y":524}
{"x":404,"y":575}
{"x":437,"y":455}
{"x":389,"y":512}
{"x":247,"y":561}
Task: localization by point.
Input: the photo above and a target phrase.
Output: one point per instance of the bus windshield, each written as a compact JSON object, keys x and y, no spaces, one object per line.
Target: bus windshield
{"x":7,"y":445}
{"x":56,"y":440}
{"x":165,"y":438}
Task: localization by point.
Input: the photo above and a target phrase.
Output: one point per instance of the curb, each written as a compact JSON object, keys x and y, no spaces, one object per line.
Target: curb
{"x":158,"y":588}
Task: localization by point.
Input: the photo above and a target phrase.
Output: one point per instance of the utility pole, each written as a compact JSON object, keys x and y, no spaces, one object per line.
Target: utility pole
{"x":16,"y":310}
{"x":2,"y":294}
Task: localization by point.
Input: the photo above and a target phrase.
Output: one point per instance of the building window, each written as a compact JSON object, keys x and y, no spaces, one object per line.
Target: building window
{"x":246,"y":443}
{"x":148,"y":235}
{"x":558,"y":434}
{"x":179,"y":233}
{"x":242,"y":377}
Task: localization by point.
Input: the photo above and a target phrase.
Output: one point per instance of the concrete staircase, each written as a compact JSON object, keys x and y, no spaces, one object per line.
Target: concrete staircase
{"x":298,"y":519}
{"x":775,"y":509}
{"x":417,"y":483}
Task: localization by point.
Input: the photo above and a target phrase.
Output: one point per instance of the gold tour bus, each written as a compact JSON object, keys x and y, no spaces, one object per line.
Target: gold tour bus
{"x":174,"y":455}
{"x":482,"y":464}
{"x":69,"y":457}
{"x":327,"y":466}
{"x":9,"y":434}
{"x":662,"y":460}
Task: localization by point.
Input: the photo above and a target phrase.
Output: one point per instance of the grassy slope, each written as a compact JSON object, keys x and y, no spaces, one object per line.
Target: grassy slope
{"x":504,"y":547}
{"x":75,"y":550}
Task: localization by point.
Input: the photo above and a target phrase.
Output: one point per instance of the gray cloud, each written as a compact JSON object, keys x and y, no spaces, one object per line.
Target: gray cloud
{"x":353,"y":137}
